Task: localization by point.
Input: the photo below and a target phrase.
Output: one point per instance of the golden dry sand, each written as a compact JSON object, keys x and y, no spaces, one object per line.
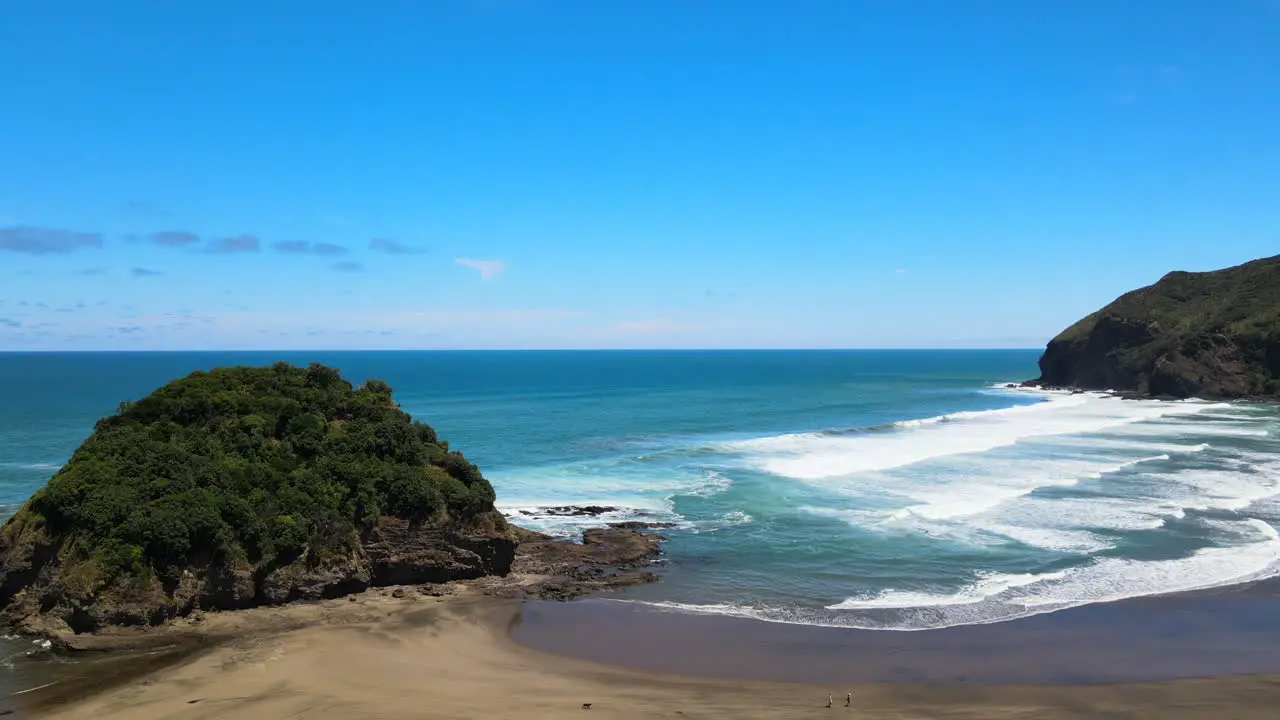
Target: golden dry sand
{"x":425,"y":657}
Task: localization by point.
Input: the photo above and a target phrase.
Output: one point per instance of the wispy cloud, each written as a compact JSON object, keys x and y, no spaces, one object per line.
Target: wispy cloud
{"x":93,"y":271}
{"x":404,"y":322}
{"x":650,"y":327}
{"x":488,"y":269}
{"x":6,"y":322}
{"x":328,"y":249}
{"x":350,"y":266}
{"x":46,"y":241}
{"x":235,"y":244}
{"x":292,"y":247}
{"x":900,"y":271}
{"x":303,"y":247}
{"x":140,"y":272}
{"x":393,"y":247}
{"x":174,"y":238}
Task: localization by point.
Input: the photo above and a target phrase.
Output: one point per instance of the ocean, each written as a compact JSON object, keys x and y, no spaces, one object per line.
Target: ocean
{"x":895,"y":490}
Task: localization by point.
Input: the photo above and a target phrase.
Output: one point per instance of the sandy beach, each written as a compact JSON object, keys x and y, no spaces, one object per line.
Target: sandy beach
{"x":378,"y":656}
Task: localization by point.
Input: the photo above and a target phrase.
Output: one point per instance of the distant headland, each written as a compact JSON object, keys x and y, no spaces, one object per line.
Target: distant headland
{"x":1209,"y":334}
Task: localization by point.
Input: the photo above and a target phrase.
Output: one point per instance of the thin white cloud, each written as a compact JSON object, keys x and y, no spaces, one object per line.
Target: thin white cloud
{"x":443,"y":319}
{"x":488,"y":269}
{"x":900,"y":271}
{"x":650,"y":327}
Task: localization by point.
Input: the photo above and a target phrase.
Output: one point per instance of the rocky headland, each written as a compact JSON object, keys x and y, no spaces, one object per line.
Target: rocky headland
{"x":247,"y":487}
{"x":1208,"y":334}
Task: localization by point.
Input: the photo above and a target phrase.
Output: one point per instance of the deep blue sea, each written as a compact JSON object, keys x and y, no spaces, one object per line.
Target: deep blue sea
{"x":879,"y":489}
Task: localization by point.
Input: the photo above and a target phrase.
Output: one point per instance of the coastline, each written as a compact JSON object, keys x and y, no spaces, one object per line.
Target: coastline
{"x":1233,"y":630}
{"x":452,"y":657}
{"x":1037,"y":385}
{"x":1211,"y":652}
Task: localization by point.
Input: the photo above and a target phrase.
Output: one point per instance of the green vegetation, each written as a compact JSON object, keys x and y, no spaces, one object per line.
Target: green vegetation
{"x":1215,"y":332}
{"x":248,"y":466}
{"x":1238,"y":301}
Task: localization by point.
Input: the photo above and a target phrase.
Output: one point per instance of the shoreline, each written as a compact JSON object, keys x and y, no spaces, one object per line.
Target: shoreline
{"x":453,"y":657}
{"x":1226,"y":637}
{"x":1224,"y":632}
{"x":1038,"y":386}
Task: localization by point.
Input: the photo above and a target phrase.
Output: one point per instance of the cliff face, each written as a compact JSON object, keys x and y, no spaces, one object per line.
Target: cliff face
{"x":243,"y":487}
{"x":1210,"y":334}
{"x":46,"y":591}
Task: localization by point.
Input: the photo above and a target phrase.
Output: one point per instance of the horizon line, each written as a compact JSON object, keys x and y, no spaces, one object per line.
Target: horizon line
{"x":528,"y":350}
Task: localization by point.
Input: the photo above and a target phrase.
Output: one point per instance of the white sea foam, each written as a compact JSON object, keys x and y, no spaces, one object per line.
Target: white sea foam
{"x":1199,"y":429}
{"x":32,"y":465}
{"x":1208,"y":489}
{"x":982,"y":490}
{"x":1075,"y":514}
{"x":811,"y":456}
{"x":1058,"y":481}
{"x":997,"y":497}
{"x":525,"y":496}
{"x":1147,"y":502}
{"x":715,"y":484}
{"x":1110,"y":579}
{"x":1078,"y":542}
{"x":986,"y":586}
{"x":733,"y":518}
{"x":536,"y":517}
{"x":997,"y":597}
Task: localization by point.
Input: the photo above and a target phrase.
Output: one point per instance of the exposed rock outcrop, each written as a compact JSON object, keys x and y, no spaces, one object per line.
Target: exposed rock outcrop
{"x":395,"y":553}
{"x":608,"y":558}
{"x":1210,"y":334}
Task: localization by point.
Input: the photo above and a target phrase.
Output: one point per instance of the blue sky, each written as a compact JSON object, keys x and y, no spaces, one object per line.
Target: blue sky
{"x":527,"y":174}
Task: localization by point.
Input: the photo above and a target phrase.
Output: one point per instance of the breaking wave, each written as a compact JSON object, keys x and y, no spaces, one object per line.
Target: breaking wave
{"x":1041,"y":504}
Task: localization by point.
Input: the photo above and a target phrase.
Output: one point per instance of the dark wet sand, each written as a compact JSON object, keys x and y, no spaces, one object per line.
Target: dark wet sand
{"x":1231,"y":632}
{"x":453,"y":657}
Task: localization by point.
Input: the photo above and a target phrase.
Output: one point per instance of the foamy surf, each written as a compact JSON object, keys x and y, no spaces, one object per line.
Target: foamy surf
{"x":815,"y":456}
{"x":531,"y":497}
{"x":965,"y":517}
{"x":1001,"y":597}
{"x":42,"y":466}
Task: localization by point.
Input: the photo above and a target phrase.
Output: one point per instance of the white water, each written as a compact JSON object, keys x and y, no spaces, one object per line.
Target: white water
{"x":1093,"y":498}
{"x":817,"y":457}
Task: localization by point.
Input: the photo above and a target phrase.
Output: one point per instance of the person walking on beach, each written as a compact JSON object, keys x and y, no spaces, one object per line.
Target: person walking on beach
{"x":828,"y":699}
{"x":848,"y":699}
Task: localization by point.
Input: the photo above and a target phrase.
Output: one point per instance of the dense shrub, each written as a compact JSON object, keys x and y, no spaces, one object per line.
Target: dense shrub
{"x":1238,"y":301}
{"x":1212,"y":334}
{"x":254,"y":465}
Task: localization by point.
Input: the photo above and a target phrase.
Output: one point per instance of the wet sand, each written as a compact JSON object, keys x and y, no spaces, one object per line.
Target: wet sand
{"x":1225,"y":632}
{"x":383,"y":657}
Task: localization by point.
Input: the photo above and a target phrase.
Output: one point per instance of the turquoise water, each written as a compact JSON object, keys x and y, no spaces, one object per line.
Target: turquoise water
{"x":881,"y":489}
